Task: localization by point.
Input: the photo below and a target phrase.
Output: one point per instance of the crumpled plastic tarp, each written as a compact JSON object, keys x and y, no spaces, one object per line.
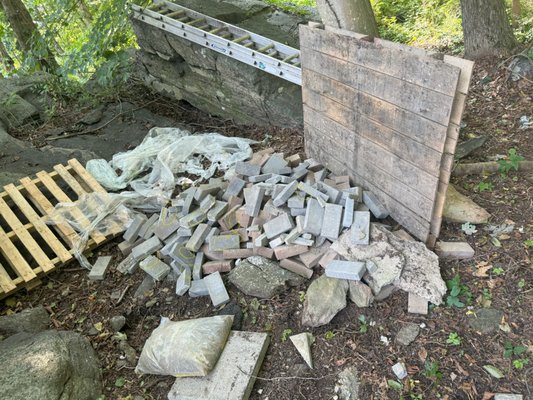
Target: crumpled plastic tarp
{"x":167,"y":152}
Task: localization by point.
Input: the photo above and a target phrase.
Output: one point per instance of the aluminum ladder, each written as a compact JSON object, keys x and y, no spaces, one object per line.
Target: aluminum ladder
{"x":258,"y":51}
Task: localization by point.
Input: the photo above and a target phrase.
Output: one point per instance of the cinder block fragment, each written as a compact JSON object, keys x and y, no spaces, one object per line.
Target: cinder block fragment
{"x":347,"y":218}
{"x":132,"y":232}
{"x":198,"y":237}
{"x":374,"y":205}
{"x":314,"y":216}
{"x":360,"y":233}
{"x":224,"y":242}
{"x":280,"y":224}
{"x":99,"y":268}
{"x":184,"y":282}
{"x":217,"y":290}
{"x":351,"y":270}
{"x":332,"y":221}
{"x":234,"y":188}
{"x":198,"y":288}
{"x":454,"y":250}
{"x":296,"y":267}
{"x":285,"y":194}
{"x":154,"y":267}
{"x":247,"y":169}
{"x":254,"y":198}
{"x":146,"y":248}
{"x":197,"y":267}
{"x":289,"y":251}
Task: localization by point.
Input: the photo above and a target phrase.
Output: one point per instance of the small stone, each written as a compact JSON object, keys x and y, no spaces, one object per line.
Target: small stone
{"x":417,"y":304}
{"x":407,"y":334}
{"x":399,"y":370}
{"x":303,"y":342}
{"x":117,"y":322}
{"x":360,"y":294}
{"x":486,"y":320}
{"x":325,"y":297}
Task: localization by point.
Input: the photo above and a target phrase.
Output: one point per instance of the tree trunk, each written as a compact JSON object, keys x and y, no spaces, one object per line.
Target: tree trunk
{"x":25,"y":30}
{"x":486,"y":28}
{"x":352,"y":15}
{"x":5,"y":58}
{"x":84,"y":13}
{"x":517,"y":10}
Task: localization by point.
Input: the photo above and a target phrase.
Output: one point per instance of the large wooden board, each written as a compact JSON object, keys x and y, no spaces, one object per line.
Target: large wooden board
{"x":388,"y":115}
{"x":29,"y":247}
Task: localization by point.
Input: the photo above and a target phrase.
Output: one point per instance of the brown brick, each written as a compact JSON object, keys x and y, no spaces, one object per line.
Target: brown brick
{"x":217,"y":266}
{"x":243,"y":219}
{"x":289,"y":251}
{"x":234,"y":201}
{"x":296,"y":267}
{"x":237,"y":253}
{"x":326,"y":258}
{"x":266,"y":252}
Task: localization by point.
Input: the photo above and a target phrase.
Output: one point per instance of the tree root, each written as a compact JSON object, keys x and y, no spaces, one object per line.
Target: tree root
{"x":488,"y":168}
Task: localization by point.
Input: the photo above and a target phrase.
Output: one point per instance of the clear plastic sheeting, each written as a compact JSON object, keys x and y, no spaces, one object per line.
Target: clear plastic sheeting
{"x":167,"y":152}
{"x":185,"y":348}
{"x":105,"y":213}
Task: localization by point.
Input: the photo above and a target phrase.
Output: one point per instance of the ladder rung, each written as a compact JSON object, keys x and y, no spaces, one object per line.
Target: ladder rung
{"x":164,"y":11}
{"x":227,"y":35}
{"x":297,"y":64}
{"x":248,"y":45}
{"x":195,"y":21}
{"x":241,"y":39}
{"x":265,"y":48}
{"x":204,"y":27}
{"x":216,"y":30}
{"x":154,"y":7}
{"x":291,"y":57}
{"x":175,"y":14}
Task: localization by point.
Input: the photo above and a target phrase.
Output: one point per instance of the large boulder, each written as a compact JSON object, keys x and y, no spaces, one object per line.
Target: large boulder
{"x":49,"y":365}
{"x":31,"y":320}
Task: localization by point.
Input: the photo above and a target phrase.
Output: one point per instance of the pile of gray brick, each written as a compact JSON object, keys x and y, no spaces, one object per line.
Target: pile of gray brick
{"x":285,"y":209}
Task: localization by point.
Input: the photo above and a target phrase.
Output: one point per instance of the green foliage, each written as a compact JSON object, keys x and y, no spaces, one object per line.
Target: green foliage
{"x":519,"y":363}
{"x":510,"y":350}
{"x":301,"y":296}
{"x":432,"y":371}
{"x":510,"y":163}
{"x":454,"y":339}
{"x":482,"y":186}
{"x":528,"y":243}
{"x":497,"y":270}
{"x":458,"y":291}
{"x":329,"y":335}
{"x":285,"y":334}
{"x":363,"y":325}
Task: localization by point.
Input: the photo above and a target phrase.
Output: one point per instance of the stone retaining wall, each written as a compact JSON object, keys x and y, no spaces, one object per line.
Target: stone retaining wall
{"x":218,"y":84}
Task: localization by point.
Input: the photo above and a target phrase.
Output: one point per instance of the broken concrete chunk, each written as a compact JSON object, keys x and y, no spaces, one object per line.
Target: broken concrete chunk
{"x":146,"y":248}
{"x":99,"y":268}
{"x":280,"y":224}
{"x":217,"y":211}
{"x":224,"y":242}
{"x":350,"y":270}
{"x":303,"y":342}
{"x":361,"y":228}
{"x":331,"y":224}
{"x":217,"y":290}
{"x":184,"y":282}
{"x":154,"y":267}
{"x":454,"y":250}
{"x":374,"y":205}
{"x":407,"y":334}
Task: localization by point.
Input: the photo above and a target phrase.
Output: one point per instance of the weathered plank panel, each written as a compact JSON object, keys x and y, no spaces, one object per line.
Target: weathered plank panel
{"x":388,"y":115}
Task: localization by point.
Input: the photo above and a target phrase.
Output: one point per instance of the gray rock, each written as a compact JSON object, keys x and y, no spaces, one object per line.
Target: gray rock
{"x":360,"y":294}
{"x":459,"y":208}
{"x":31,"y":320}
{"x":408,"y":265}
{"x":485,"y":320}
{"x":49,"y":365}
{"x":117,"y":322}
{"x":347,"y":386}
{"x":325,"y":297}
{"x":407,"y":334}
{"x":146,"y":285}
{"x":260,"y":277}
{"x":235,"y":310}
{"x":130,"y":355}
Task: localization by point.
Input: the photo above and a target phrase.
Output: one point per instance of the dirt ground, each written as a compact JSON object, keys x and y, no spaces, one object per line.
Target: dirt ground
{"x":500,"y":276}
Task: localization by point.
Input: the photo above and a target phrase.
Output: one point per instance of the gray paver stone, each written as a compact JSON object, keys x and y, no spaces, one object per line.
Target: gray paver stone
{"x":234,"y":188}
{"x":351,"y":270}
{"x":280,"y":224}
{"x":254,"y":199}
{"x":132,"y":232}
{"x":361,"y":228}
{"x":197,"y":268}
{"x":224,"y":242}
{"x":217,"y":290}
{"x":198,"y":237}
{"x":374,"y":205}
{"x":285,"y":194}
{"x":154,"y":267}
{"x":348,"y":216}
{"x":331,"y":225}
{"x":146,"y":248}
{"x":314,"y":216}
{"x":99,"y":268}
{"x":183,"y":283}
{"x":247,"y":169}
{"x":198,"y":288}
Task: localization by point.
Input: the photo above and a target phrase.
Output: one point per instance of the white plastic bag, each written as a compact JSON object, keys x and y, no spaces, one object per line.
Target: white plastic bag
{"x":185,"y":348}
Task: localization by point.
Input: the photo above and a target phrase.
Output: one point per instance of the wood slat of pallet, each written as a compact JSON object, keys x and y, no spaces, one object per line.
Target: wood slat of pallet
{"x":6,"y":284}
{"x":15,"y":259}
{"x":51,"y":240}
{"x":56,"y":191}
{"x":24,"y":236}
{"x":40,"y":201}
{"x":88,"y":178}
{"x":76,"y":186}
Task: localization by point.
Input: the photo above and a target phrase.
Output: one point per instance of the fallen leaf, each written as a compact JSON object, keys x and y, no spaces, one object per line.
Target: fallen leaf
{"x":482,"y":268}
{"x":120,"y":382}
{"x":487,"y":396}
{"x":493,"y":371}
{"x":422,"y":354}
{"x":98,"y":326}
{"x":504,"y":237}
{"x":394,"y":385}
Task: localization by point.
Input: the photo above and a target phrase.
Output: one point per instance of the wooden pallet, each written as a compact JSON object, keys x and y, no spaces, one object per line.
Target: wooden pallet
{"x":29,"y":248}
